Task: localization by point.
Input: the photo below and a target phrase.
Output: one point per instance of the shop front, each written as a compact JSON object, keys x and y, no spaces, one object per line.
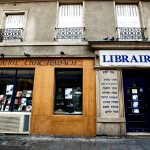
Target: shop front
{"x":123,"y":92}
{"x":54,"y":96}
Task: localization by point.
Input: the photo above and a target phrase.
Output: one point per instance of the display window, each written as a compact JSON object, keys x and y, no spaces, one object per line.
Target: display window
{"x":68,"y":91}
{"x":16,"y":86}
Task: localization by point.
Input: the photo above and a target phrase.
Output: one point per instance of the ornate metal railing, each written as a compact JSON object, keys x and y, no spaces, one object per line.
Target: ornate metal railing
{"x":70,"y":33}
{"x":11,"y":34}
{"x":133,"y":34}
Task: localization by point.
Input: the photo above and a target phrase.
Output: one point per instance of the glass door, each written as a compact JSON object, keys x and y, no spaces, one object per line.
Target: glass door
{"x":135,"y":105}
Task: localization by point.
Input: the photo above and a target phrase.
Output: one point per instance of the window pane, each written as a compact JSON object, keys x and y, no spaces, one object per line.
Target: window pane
{"x":16,"y":89}
{"x":23,"y":95}
{"x":25,"y":72}
{"x":70,"y":22}
{"x":6,"y":92}
{"x":7,"y":72}
{"x":13,"y":27}
{"x":14,"y":21}
{"x":70,"y":16}
{"x":128,"y":16}
{"x":68,"y":93}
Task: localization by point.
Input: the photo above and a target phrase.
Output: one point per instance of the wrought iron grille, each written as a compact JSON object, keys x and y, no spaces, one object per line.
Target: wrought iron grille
{"x":136,"y":34}
{"x":70,"y":33}
{"x":11,"y":34}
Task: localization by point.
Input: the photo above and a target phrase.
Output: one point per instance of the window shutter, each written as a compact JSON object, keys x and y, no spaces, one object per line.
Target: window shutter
{"x":128,"y":16}
{"x":14,"y":21}
{"x":70,"y":16}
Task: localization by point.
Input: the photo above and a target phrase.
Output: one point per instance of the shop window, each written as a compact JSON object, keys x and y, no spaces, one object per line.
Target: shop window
{"x":16,"y":86}
{"x":68,"y":91}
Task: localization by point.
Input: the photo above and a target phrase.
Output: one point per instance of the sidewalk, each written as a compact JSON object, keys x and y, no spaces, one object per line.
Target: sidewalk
{"x":26,"y":142}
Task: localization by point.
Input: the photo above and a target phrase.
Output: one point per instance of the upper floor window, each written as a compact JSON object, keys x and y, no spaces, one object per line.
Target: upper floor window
{"x":128,"y":22}
{"x":70,"y":22}
{"x":13,"y":28}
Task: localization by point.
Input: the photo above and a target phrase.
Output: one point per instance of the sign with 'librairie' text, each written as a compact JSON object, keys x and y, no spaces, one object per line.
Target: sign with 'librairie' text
{"x":124,"y":58}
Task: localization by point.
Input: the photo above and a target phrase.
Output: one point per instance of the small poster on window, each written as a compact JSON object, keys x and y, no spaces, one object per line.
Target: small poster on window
{"x":68,"y":93}
{"x":134,"y":97}
{"x":134,"y":91}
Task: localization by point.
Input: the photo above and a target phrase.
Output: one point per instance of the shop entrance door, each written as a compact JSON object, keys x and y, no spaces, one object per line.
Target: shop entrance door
{"x":136,"y":94}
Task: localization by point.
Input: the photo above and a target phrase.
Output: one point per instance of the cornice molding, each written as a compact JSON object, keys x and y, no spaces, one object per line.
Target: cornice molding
{"x":15,"y":44}
{"x":119,"y":45}
{"x":27,"y":1}
{"x":30,"y":1}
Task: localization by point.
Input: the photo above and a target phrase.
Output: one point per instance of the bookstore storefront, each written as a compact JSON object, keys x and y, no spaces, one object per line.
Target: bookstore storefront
{"x":123,"y":92}
{"x":53,"y":96}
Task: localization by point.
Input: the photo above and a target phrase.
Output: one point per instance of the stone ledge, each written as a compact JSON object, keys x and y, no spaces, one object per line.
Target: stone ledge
{"x":13,"y":44}
{"x":110,"y":120}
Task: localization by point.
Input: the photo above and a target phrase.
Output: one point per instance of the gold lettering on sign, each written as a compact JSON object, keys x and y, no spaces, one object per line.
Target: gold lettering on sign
{"x":61,"y":62}
{"x":9,"y":62}
{"x":40,"y":62}
{"x":34,"y":63}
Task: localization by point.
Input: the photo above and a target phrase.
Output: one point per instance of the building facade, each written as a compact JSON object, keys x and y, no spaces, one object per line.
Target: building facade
{"x":77,"y":68}
{"x":122,"y":71}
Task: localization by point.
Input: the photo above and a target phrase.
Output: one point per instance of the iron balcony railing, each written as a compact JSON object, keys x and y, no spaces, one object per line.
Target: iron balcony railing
{"x":133,"y":34}
{"x":70,"y":33}
{"x":11,"y":34}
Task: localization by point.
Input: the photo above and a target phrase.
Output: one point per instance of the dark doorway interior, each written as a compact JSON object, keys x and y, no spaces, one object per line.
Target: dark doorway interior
{"x":137,"y":100}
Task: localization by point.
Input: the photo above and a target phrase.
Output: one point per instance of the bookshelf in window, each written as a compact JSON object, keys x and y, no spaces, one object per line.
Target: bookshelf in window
{"x":68,"y":101}
{"x":23,"y":100}
{"x":59,"y":102}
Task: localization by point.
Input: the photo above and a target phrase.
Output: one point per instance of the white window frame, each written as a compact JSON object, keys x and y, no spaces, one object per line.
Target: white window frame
{"x":68,"y":25}
{"x":72,"y":17}
{"x":14,"y":12}
{"x":129,"y":22}
{"x":128,"y":15}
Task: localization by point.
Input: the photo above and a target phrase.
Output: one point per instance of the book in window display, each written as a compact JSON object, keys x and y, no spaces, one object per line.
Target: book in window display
{"x":59,"y":101}
{"x":19,"y":93}
{"x":23,"y":100}
{"x":59,"y":94}
{"x":29,"y":93}
{"x":9,"y":89}
{"x":7,"y":108}
{"x":1,"y":98}
{"x":69,"y":101}
{"x":70,"y":107}
{"x":77,"y":91}
{"x":6,"y":101}
{"x":77,"y":99}
{"x":1,"y":101}
{"x":68,"y":93}
{"x":28,"y":108}
{"x":16,"y":101}
{"x":24,"y":93}
{"x":29,"y":101}
{"x":19,"y":100}
{"x":22,"y":106}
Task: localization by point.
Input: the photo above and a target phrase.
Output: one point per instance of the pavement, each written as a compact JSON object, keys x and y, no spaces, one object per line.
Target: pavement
{"x":36,"y":142}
